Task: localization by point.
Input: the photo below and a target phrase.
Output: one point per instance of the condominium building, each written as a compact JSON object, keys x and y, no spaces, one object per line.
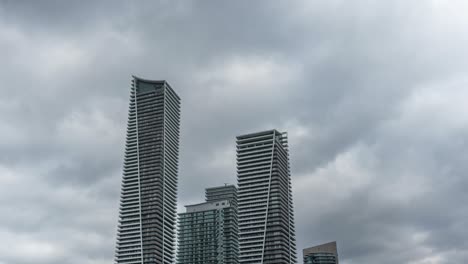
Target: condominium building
{"x":231,"y":229}
{"x":266,"y":219}
{"x":226,"y":192}
{"x":321,"y":254}
{"x":147,"y":217}
{"x":208,"y":232}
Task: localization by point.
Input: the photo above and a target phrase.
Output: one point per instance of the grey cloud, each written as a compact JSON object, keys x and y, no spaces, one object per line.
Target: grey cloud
{"x":344,"y":79}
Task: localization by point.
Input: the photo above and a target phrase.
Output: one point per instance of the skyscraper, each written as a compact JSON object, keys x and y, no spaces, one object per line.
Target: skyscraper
{"x":208,"y":232}
{"x":321,"y":254}
{"x":266,"y":219}
{"x":146,"y":230}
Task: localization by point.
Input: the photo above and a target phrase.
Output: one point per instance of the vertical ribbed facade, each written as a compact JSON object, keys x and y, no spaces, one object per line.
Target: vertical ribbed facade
{"x":266,"y":218}
{"x":147,"y":216}
{"x":208,"y":232}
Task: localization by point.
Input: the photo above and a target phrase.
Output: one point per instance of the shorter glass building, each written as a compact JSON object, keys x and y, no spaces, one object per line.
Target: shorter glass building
{"x":321,"y":258}
{"x":321,"y":254}
{"x":208,"y":231}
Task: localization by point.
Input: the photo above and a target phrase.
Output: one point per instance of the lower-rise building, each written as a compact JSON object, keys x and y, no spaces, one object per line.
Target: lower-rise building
{"x":208,"y":232}
{"x":321,"y":254}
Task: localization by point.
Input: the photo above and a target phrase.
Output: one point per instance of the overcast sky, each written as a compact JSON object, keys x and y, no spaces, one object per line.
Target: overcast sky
{"x":373,"y":95}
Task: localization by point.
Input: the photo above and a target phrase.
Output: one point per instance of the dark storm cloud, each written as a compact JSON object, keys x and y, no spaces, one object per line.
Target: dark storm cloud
{"x":370,"y":93}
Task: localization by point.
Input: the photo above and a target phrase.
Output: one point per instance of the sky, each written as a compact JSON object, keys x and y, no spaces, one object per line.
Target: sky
{"x":371,"y":93}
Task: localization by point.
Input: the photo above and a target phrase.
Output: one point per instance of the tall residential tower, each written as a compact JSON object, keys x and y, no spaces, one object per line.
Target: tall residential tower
{"x":266,"y":219}
{"x":146,"y":230}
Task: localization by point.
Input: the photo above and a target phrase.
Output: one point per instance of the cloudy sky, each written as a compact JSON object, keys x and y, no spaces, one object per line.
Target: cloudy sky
{"x":372,"y":93}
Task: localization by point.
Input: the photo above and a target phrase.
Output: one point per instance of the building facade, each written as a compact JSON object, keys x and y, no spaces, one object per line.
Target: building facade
{"x":208,"y":232}
{"x":231,"y":228}
{"x":226,"y":192}
{"x":321,"y":254}
{"x":147,"y":216}
{"x":266,"y":218}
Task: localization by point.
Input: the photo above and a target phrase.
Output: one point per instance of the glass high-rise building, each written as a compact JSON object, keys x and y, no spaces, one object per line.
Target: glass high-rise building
{"x":147,"y":218}
{"x":266,"y":218}
{"x":321,"y":254}
{"x":208,"y":232}
{"x":230,"y":225}
{"x":226,"y":192}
